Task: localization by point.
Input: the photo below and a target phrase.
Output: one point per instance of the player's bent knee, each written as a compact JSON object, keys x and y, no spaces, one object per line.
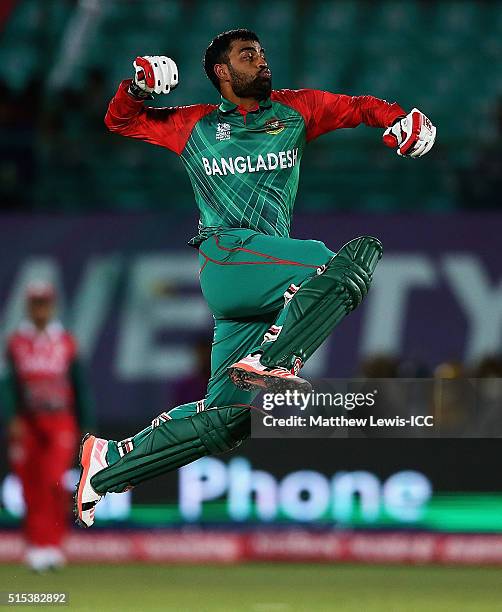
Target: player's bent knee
{"x":319,"y":252}
{"x":352,"y":268}
{"x":222,"y":429}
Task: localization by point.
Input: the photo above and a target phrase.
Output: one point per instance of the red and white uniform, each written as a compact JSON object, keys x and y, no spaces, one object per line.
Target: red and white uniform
{"x":46,"y":444}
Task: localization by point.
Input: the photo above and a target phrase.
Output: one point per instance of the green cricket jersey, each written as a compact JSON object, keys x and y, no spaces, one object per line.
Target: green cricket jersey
{"x":244,"y":165}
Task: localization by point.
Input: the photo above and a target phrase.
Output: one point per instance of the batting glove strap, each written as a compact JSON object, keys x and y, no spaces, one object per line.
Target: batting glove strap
{"x":413,"y":135}
{"x":138,"y":93}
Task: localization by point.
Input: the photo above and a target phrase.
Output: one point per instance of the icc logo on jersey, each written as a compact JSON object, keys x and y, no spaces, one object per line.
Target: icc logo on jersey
{"x":223,"y":131}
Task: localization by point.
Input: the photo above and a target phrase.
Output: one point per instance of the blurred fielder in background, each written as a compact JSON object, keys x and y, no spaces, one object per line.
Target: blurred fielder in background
{"x":274,"y":299}
{"x":47,"y":405}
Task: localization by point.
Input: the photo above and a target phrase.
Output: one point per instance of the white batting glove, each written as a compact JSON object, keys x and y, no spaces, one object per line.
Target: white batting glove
{"x":155,"y":74}
{"x":413,"y":135}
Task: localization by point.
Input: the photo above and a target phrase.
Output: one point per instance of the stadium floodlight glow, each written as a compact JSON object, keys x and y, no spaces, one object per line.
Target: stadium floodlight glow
{"x":303,"y":495}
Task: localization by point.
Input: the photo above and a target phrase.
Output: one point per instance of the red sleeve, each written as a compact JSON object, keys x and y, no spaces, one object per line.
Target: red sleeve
{"x":167,"y":127}
{"x":9,"y":349}
{"x":72,"y":346}
{"x":324,"y":111}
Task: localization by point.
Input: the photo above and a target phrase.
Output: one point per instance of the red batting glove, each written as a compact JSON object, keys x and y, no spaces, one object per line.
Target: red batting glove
{"x":413,"y":135}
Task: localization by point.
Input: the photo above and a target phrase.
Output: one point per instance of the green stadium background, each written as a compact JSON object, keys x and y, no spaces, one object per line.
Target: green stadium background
{"x":62,"y":59}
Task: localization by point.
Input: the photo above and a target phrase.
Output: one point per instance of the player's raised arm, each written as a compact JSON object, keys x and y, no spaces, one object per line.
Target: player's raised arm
{"x":167,"y":127}
{"x":412,"y":134}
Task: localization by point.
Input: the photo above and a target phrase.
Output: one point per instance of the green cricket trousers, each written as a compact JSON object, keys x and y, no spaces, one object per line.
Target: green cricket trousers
{"x":249,"y":281}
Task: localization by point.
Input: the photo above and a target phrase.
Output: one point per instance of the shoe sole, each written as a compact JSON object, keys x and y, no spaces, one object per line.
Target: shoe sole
{"x":84,"y":456}
{"x":252,"y":381}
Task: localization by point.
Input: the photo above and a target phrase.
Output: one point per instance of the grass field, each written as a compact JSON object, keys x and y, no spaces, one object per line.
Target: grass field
{"x":266,"y":588}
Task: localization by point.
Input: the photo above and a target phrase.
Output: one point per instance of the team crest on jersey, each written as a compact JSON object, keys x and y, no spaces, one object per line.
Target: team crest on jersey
{"x":274,"y":126}
{"x":223,"y":131}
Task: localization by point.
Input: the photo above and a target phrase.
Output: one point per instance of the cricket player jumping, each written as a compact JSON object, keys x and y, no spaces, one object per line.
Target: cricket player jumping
{"x":274,"y":299}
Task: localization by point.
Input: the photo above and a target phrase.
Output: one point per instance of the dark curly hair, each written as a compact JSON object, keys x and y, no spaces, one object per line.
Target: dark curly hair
{"x":217,"y":52}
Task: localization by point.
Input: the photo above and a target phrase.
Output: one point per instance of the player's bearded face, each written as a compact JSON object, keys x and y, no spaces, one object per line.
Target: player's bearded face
{"x":245,"y":85}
